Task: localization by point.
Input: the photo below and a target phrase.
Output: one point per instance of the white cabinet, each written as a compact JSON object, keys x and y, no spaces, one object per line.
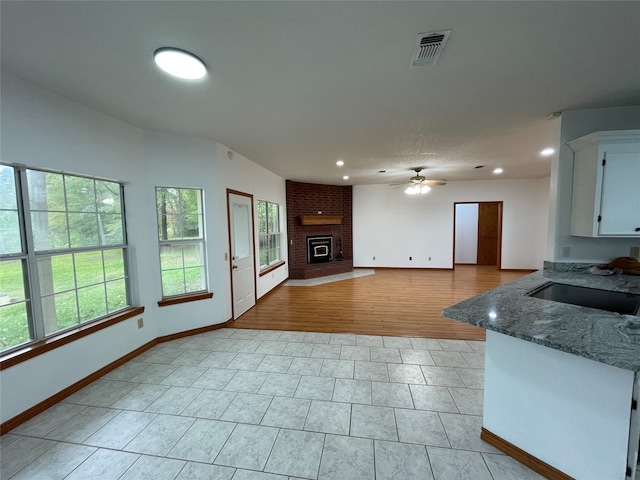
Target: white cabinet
{"x":606,"y":184}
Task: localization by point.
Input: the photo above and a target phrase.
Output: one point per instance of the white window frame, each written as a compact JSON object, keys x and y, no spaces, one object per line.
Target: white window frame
{"x":41,"y":328}
{"x":181,"y":243}
{"x":263,"y":237}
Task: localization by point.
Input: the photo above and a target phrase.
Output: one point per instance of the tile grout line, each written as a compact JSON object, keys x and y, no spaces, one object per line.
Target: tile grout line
{"x":326,"y":360}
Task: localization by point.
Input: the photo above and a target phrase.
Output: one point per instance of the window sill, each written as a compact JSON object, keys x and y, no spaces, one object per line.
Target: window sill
{"x":271,"y":268}
{"x":190,"y":297}
{"x":38,"y":348}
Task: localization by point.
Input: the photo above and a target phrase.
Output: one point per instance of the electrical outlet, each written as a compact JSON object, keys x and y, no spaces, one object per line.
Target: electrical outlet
{"x":634,"y":252}
{"x":429,"y":258}
{"x":566,"y":251}
{"x":374,"y":257}
{"x":410,"y":258}
{"x":140,"y":323}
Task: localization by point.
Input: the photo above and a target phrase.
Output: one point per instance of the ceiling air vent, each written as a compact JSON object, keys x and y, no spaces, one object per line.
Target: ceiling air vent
{"x":429,"y":47}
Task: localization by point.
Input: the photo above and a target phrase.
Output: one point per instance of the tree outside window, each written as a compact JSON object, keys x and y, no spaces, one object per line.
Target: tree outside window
{"x":269,"y":233}
{"x":181,"y":239}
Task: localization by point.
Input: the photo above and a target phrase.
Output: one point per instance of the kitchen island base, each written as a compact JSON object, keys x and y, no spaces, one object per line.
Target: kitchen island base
{"x":571,"y":413}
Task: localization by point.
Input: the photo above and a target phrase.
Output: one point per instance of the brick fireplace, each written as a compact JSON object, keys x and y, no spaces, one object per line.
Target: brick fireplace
{"x":304,"y":201}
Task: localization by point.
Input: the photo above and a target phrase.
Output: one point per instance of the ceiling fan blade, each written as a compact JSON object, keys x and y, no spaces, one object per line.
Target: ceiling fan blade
{"x":435,"y":182}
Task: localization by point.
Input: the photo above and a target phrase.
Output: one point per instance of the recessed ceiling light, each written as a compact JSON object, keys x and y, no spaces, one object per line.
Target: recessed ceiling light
{"x":340,"y":163}
{"x":547,"y":152}
{"x":179,"y":63}
{"x":498,"y":171}
{"x":346,"y":177}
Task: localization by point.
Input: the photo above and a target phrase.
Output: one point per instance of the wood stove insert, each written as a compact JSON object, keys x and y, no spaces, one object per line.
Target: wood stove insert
{"x":319,"y":249}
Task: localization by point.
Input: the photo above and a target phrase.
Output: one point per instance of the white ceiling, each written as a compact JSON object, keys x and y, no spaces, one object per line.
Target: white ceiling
{"x":295,"y":86}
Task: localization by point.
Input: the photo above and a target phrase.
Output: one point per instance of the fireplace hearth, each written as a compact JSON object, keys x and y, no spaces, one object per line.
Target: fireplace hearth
{"x":319,"y":249}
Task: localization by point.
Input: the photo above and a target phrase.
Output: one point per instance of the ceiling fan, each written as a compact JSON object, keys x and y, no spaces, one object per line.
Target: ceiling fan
{"x":419,"y":184}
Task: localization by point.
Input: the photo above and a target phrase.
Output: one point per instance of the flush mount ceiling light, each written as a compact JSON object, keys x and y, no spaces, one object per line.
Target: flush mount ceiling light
{"x":180,"y":63}
{"x":340,"y":163}
{"x":346,"y":177}
{"x":498,"y":171}
{"x":547,"y":152}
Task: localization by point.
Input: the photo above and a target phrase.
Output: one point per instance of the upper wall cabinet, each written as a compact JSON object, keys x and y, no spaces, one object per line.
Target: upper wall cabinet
{"x":606,"y":184}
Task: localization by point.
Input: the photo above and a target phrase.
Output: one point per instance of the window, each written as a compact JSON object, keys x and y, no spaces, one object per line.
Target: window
{"x":181,"y":237}
{"x":269,"y":233}
{"x":63,"y":255}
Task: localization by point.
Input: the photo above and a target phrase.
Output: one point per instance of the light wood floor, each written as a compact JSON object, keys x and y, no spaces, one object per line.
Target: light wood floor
{"x":397,"y":302}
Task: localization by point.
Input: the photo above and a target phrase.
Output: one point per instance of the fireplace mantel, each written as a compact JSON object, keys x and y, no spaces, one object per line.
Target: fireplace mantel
{"x":320,"y":219}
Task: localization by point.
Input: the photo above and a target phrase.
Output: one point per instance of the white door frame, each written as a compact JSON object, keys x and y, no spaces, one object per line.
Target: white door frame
{"x":253,"y":246}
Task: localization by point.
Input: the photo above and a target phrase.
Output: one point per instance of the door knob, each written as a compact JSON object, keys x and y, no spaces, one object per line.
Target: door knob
{"x":234,"y":267}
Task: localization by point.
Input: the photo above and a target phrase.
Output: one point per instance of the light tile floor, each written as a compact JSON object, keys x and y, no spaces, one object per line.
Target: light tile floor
{"x":268,"y":405}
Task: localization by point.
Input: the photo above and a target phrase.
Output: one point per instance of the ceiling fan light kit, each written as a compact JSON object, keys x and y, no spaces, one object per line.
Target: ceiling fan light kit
{"x":418,"y":184}
{"x":417,"y":189}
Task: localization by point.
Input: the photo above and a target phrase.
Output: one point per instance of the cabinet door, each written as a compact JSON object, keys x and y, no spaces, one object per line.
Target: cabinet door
{"x":620,"y":199}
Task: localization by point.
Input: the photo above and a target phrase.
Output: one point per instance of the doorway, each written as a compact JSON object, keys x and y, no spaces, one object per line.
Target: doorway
{"x":242,"y":244}
{"x":477,"y":233}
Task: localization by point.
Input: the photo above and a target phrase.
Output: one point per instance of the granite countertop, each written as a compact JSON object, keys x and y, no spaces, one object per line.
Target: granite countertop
{"x":606,"y":337}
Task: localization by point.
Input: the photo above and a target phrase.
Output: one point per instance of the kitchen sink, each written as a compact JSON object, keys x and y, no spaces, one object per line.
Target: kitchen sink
{"x":618,"y":302}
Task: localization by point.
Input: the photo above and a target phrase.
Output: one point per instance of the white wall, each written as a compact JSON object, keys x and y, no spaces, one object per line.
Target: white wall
{"x":43,"y":130}
{"x":466,"y":242}
{"x":393,"y":226}
{"x":575,"y":124}
{"x":172,"y":160}
{"x":241,"y":174}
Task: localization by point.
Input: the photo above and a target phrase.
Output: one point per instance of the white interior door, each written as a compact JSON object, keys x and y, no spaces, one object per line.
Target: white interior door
{"x":242,"y":263}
